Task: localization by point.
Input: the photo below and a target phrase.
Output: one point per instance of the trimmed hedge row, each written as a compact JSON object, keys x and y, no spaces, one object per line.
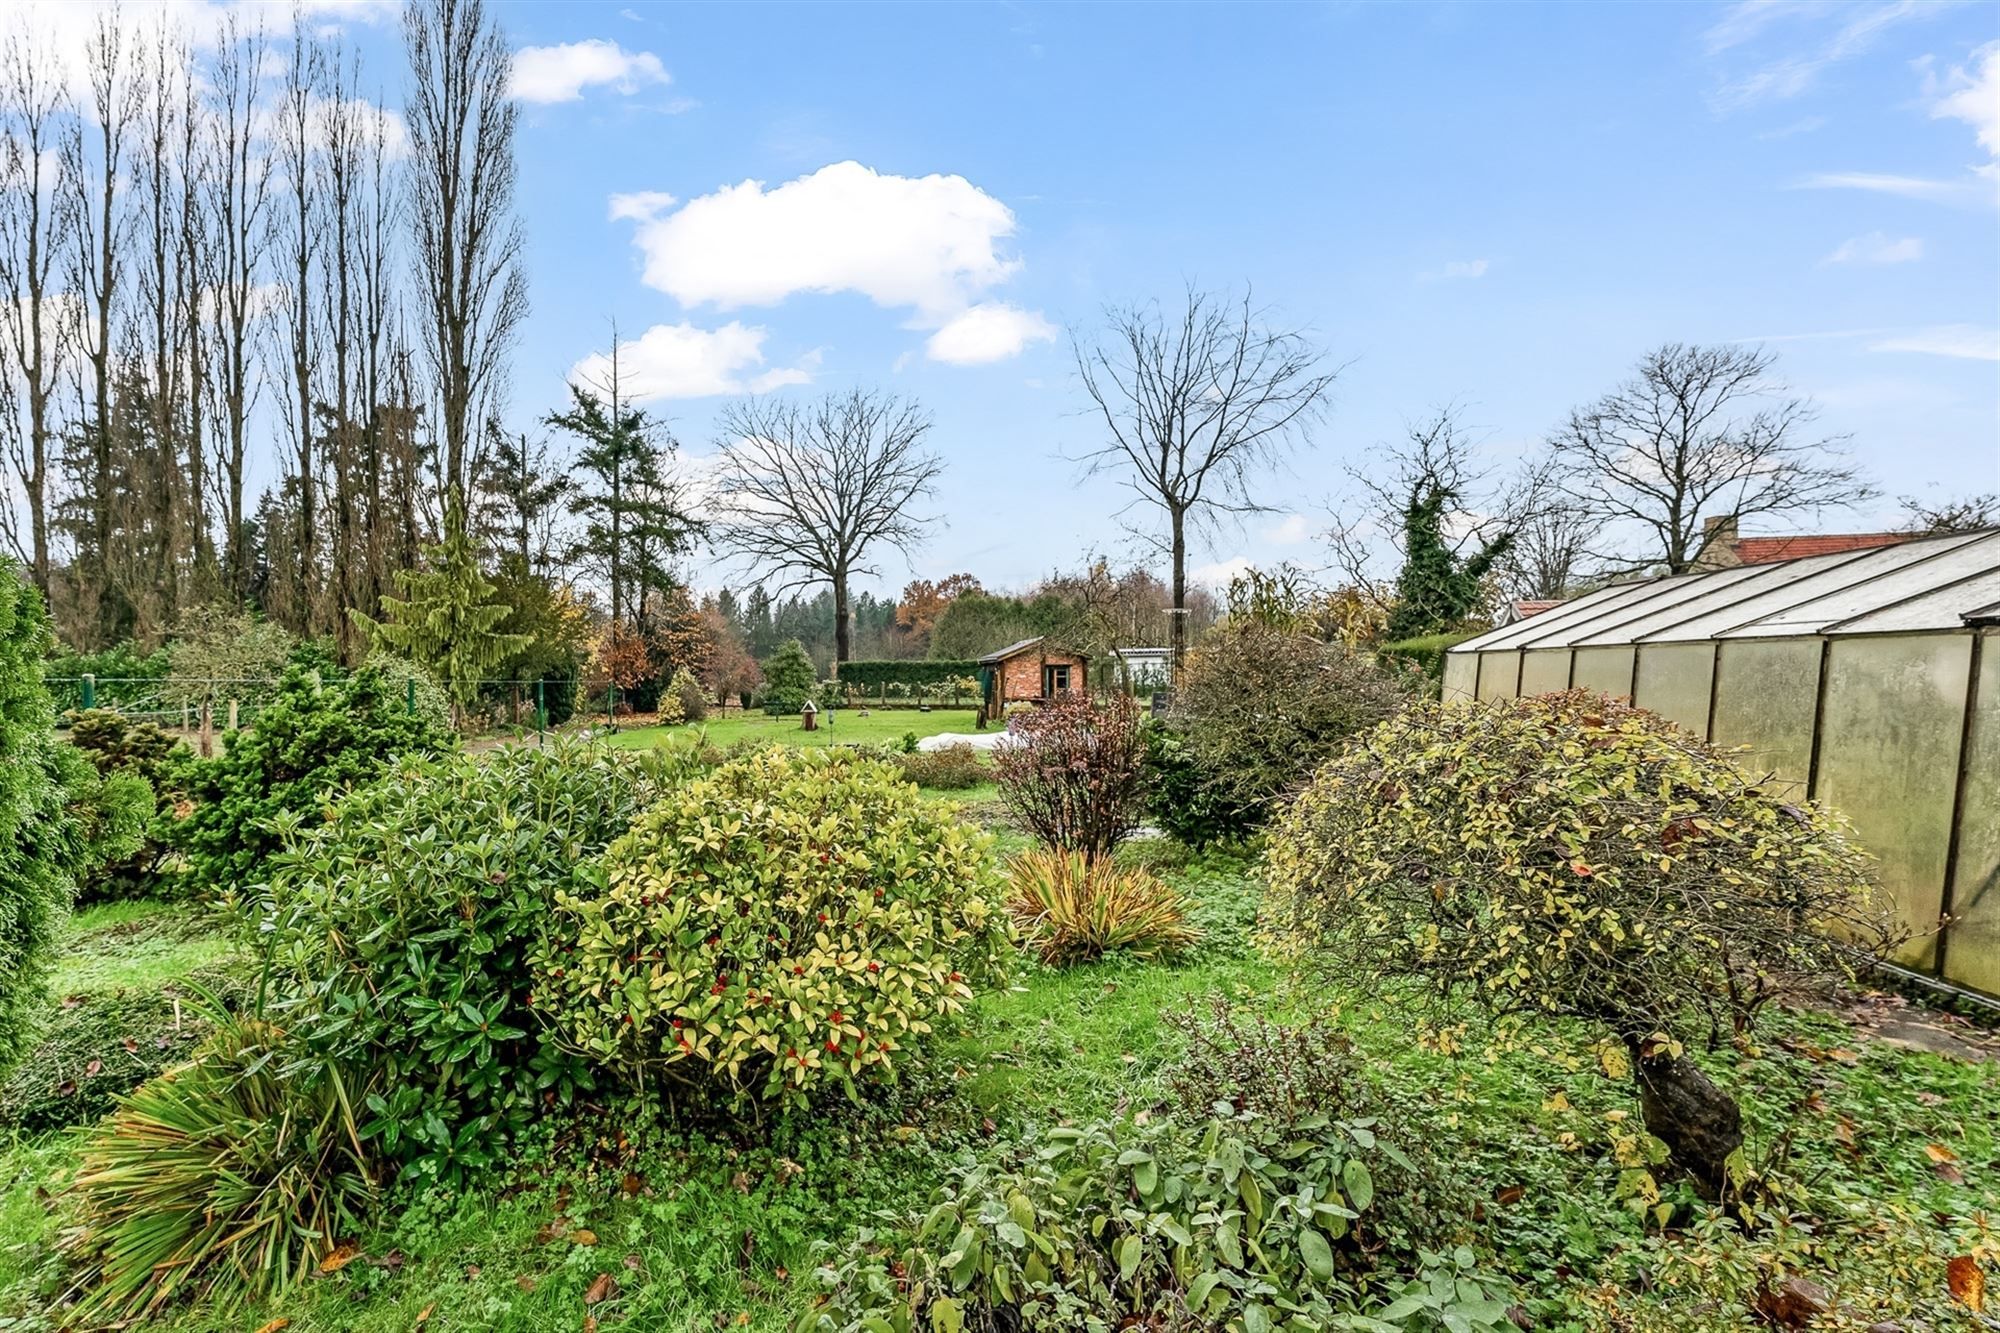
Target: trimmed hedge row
{"x":874,"y":674}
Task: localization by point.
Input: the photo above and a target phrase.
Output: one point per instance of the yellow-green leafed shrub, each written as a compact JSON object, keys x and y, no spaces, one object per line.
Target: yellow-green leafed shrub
{"x":794,"y":919}
{"x":1074,"y":908}
{"x":223,"y":1178}
{"x":1571,"y":855}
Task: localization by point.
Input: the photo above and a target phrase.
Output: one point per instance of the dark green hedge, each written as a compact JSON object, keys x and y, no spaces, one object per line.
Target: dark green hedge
{"x":1425,"y":653}
{"x":872,"y":675}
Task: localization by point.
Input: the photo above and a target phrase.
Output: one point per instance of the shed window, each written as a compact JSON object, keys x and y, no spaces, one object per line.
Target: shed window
{"x":1055,"y":679}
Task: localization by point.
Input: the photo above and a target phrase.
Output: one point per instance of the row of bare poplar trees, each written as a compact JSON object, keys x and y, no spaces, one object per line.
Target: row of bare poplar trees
{"x":252,"y":313}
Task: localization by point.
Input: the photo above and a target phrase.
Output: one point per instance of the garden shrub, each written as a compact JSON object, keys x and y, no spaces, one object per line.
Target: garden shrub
{"x":53,"y":826}
{"x":226,"y":1178}
{"x":1255,"y":711}
{"x":1234,"y":1223}
{"x":1071,"y":772}
{"x":124,"y":676}
{"x":401,"y":935}
{"x":793,"y":920}
{"x":947,"y":768}
{"x":789,"y":679}
{"x":1571,"y":855}
{"x":416,"y":688}
{"x":311,"y":741}
{"x":688,"y":691}
{"x":137,"y":762}
{"x":1423,"y":656}
{"x":1177,"y":798}
{"x":1073,"y":908}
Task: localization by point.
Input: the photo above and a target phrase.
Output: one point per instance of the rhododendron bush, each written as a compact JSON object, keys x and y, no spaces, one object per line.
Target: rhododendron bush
{"x":795,"y":919}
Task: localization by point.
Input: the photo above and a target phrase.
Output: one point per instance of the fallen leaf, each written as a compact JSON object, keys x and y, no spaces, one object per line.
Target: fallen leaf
{"x":471,"y":1271}
{"x":275,"y":1325}
{"x":634,"y":1262}
{"x":524,"y":1282}
{"x":590,"y":1323}
{"x":632,"y":1184}
{"x":1793,"y":1303}
{"x":549,"y":1231}
{"x":424,"y":1315}
{"x":601,"y":1290}
{"x":1966,"y":1281}
{"x":584,"y":1236}
{"x":131,"y":1045}
{"x":1937,"y":1152}
{"x":1948,"y":1173}
{"x":1510,"y":1195}
{"x":339,"y":1257}
{"x":93,"y":1069}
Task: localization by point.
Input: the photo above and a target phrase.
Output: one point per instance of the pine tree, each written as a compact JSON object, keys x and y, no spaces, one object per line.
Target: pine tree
{"x":447,"y":619}
{"x":789,"y":677}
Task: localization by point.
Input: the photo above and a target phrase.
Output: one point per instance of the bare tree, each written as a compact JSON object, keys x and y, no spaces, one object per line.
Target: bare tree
{"x":235,"y":204}
{"x":1553,"y":539}
{"x":95,"y":168}
{"x":1697,"y":432}
{"x":468,"y":241}
{"x":298,"y":231}
{"x":805,"y":492}
{"x":34,"y":218}
{"x":1196,"y":403}
{"x":1962,"y":513}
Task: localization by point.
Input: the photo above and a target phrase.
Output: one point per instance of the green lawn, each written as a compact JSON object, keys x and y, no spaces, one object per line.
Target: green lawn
{"x":711,"y":1226}
{"x":884,"y":727}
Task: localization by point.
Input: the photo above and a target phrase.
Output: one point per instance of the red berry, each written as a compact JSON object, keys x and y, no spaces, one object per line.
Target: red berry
{"x":836,"y":1016}
{"x":833,"y":1045}
{"x":874,"y":967}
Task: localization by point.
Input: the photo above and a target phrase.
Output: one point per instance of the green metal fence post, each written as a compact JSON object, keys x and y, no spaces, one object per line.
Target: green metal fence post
{"x":89,"y":690}
{"x":541,"y":710}
{"x":410,"y":696}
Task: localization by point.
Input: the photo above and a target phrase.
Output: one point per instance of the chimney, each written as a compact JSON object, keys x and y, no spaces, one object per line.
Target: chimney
{"x":1718,"y":543}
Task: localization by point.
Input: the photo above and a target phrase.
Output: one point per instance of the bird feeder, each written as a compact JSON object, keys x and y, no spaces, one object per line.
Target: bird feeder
{"x":809,"y":716}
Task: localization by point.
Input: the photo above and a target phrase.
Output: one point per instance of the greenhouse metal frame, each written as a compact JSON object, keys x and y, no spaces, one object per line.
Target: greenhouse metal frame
{"x":1864,"y":679}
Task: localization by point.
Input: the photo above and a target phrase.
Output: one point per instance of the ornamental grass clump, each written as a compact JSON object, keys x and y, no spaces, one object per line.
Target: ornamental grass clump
{"x":1073,"y":908}
{"x":225,"y":1179}
{"x":1571,"y":855}
{"x":795,"y":920}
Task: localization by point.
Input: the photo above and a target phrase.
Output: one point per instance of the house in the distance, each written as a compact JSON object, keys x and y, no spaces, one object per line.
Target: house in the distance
{"x":1723,"y":547}
{"x":1030,"y":671}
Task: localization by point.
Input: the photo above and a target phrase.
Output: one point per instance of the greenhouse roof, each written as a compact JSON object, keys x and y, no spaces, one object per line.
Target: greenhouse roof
{"x":1933,"y":583}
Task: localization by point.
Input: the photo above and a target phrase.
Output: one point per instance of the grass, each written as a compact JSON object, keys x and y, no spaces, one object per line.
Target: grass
{"x":137,"y":946}
{"x":884,"y":727}
{"x":716,"y":1227}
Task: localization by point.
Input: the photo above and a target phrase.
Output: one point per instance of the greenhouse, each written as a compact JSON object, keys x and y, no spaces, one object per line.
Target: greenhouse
{"x":1865,"y":679}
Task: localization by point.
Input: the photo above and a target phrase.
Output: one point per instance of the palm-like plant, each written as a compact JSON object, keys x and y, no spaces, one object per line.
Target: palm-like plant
{"x":1072,"y":908}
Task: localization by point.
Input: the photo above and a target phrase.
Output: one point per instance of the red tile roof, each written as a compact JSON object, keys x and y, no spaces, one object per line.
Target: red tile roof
{"x":1765,"y":550}
{"x":1524,"y":609}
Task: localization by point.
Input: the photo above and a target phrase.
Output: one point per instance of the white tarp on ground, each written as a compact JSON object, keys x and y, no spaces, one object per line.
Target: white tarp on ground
{"x":978,"y":740}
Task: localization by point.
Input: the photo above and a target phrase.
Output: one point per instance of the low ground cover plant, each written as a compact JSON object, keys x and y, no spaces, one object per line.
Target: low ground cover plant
{"x":794,"y":920}
{"x":1231,"y":1222}
{"x":1072,"y":908}
{"x":1072,"y":772}
{"x":1568,"y":855}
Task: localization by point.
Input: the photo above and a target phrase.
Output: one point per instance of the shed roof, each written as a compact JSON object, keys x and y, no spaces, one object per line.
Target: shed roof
{"x":1016,"y":649}
{"x":1932,"y":583}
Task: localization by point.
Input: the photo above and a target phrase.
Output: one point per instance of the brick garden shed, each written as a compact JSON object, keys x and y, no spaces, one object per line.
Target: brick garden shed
{"x":1029,"y":672}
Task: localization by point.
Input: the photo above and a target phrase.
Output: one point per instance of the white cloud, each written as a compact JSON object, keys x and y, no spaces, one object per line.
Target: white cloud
{"x":990,"y":331}
{"x":1967,"y":341}
{"x":549,"y":74}
{"x":1457,"y":268}
{"x":1876,"y":248}
{"x":1907,"y":187}
{"x":932,"y":245}
{"x":930,"y":242}
{"x":1219,"y":573}
{"x":1289,"y":530}
{"x":1975,"y":97}
{"x":683,"y":361}
{"x":1790,"y":75}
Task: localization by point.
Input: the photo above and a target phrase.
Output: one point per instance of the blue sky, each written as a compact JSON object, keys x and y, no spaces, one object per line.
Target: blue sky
{"x":1497,"y":205}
